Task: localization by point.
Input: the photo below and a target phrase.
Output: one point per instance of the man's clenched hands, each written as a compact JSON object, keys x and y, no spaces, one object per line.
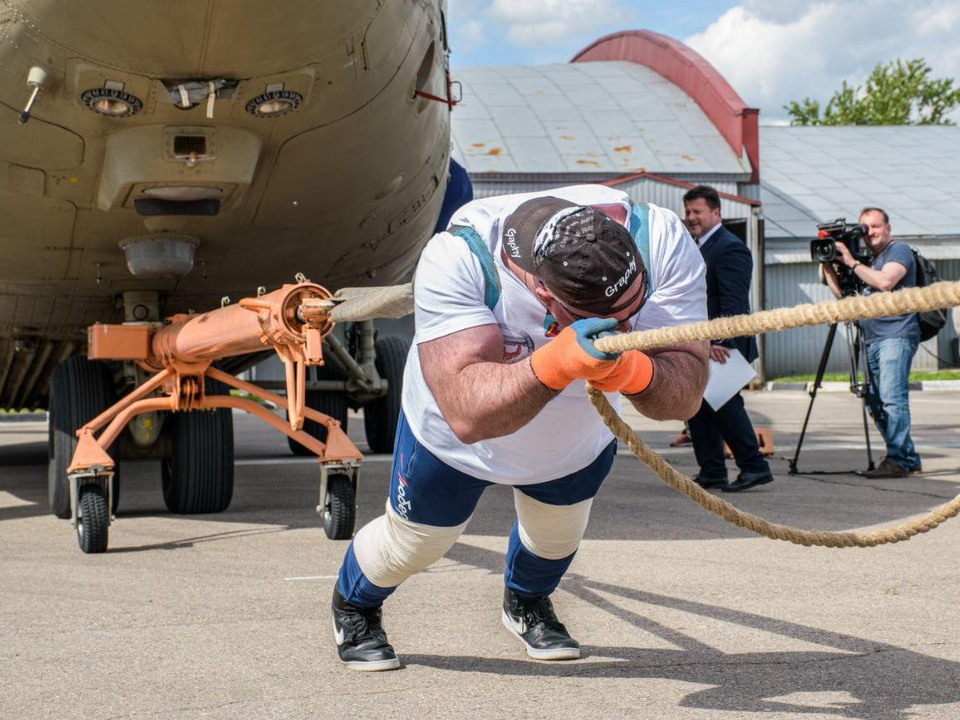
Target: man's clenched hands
{"x":572,"y":355}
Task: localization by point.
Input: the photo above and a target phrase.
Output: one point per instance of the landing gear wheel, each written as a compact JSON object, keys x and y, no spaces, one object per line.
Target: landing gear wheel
{"x":329,"y":402}
{"x":198,"y":475}
{"x":93,"y":524}
{"x":339,"y":508}
{"x":380,"y":416}
{"x":80,"y":390}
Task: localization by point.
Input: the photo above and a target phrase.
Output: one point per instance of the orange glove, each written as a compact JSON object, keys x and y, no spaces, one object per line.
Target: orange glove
{"x":571,"y":355}
{"x":632,"y":373}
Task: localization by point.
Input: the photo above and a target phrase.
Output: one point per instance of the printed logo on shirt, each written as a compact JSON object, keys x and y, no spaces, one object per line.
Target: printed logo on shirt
{"x":551,"y":328}
{"x":516,"y":344}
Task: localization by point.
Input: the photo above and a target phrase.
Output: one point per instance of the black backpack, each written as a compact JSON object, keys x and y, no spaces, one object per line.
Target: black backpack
{"x":931,"y":321}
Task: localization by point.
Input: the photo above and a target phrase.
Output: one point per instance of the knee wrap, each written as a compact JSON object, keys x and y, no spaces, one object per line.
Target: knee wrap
{"x":391,"y":549}
{"x":551,"y":532}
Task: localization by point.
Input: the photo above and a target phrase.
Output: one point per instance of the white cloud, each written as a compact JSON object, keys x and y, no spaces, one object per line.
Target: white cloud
{"x":776,"y":51}
{"x":534,"y":23}
{"x":472,"y":34}
{"x":778,"y":10}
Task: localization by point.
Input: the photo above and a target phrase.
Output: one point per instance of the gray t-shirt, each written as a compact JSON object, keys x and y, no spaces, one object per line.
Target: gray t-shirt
{"x":895,"y":326}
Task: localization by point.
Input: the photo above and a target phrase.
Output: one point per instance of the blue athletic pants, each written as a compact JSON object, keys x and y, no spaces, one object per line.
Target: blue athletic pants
{"x":426,"y":491}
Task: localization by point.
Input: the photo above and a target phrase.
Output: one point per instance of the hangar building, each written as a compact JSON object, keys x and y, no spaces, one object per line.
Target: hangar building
{"x":646,"y":113}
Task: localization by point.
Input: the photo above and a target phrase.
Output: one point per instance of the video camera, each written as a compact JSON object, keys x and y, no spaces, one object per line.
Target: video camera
{"x":824,"y":250}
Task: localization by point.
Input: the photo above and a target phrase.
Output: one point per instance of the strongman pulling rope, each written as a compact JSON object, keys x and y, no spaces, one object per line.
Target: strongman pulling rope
{"x":508,"y":304}
{"x":408,"y":546}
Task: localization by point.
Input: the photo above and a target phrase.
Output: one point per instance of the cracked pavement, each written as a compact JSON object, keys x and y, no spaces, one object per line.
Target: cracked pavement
{"x":679,"y":614}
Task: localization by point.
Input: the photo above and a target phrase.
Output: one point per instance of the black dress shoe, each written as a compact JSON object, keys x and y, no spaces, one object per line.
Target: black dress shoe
{"x":708,"y":482}
{"x":745,"y":481}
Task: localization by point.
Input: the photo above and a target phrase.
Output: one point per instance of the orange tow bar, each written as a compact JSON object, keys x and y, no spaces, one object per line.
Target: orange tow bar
{"x":179,"y":354}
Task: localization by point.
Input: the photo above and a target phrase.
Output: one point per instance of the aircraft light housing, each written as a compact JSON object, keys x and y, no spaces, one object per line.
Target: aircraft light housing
{"x":159,"y":257}
{"x":274,"y":104}
{"x":111,"y":102}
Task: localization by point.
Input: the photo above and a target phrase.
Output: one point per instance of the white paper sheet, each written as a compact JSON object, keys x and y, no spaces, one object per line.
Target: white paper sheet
{"x":726,"y":379}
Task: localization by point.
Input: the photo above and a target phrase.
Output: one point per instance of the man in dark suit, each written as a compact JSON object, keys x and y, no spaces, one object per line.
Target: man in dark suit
{"x":729,"y":268}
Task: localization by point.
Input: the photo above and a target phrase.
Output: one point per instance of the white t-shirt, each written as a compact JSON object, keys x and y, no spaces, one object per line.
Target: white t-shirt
{"x":567,"y":434}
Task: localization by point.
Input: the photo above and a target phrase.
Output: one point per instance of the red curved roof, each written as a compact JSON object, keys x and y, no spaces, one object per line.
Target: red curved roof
{"x":686,"y":69}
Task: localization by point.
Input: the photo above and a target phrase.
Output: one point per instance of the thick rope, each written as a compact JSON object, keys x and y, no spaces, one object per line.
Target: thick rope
{"x":355,"y":304}
{"x":933,"y":297}
{"x":388,"y":302}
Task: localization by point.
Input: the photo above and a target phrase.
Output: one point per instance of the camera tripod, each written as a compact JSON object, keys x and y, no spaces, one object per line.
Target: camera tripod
{"x":857,"y":350}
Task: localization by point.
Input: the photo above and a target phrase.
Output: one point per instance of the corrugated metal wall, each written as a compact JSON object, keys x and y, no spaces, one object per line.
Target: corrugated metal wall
{"x":645,"y":190}
{"x":507,"y":187}
{"x":640,"y":189}
{"x":795,"y":352}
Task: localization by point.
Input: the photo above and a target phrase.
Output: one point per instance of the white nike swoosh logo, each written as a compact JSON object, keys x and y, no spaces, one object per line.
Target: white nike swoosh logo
{"x":338,"y":633}
{"x":520,"y":626}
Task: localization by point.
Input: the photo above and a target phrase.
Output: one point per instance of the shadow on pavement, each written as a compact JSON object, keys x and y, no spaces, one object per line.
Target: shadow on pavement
{"x":884,"y":680}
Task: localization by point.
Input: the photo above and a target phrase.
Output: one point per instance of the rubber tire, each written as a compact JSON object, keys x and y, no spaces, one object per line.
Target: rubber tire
{"x":198,"y":476}
{"x":93,"y":525}
{"x":330,"y":403}
{"x":340,"y":508}
{"x":380,"y":416}
{"x":80,"y":390}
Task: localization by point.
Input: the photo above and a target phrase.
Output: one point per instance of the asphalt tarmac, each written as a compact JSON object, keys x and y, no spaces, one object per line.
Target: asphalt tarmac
{"x":679,"y":614}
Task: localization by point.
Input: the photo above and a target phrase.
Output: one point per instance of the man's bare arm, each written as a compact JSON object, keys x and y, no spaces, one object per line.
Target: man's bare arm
{"x":480,"y":396}
{"x":830,"y":279}
{"x":885,"y":279}
{"x":679,"y":377}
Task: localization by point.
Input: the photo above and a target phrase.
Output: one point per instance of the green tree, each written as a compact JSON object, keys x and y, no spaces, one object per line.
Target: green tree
{"x":898,"y":93}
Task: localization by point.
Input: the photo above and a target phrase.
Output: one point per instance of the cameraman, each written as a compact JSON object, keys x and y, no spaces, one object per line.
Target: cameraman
{"x":891,"y":341}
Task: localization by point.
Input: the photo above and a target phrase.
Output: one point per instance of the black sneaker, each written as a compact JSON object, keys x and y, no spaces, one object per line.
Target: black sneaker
{"x":535,"y":623}
{"x":361,"y":641}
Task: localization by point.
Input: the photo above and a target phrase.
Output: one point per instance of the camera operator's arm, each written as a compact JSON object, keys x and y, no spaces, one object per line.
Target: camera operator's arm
{"x":830,"y":279}
{"x":884,"y":279}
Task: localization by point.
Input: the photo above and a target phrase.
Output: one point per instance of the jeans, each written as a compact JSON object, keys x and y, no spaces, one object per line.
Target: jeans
{"x":889,"y":402}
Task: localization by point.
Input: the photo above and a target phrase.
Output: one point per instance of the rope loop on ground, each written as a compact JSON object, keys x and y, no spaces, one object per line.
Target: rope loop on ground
{"x":933,"y":297}
{"x":820,"y":538}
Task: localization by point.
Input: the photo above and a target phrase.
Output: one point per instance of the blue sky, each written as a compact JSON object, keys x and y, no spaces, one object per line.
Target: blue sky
{"x":677,"y":20}
{"x":771,"y":51}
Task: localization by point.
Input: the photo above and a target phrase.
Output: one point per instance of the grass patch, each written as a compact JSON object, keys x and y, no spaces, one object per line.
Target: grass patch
{"x":916,"y":376}
{"x":247,"y":396}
